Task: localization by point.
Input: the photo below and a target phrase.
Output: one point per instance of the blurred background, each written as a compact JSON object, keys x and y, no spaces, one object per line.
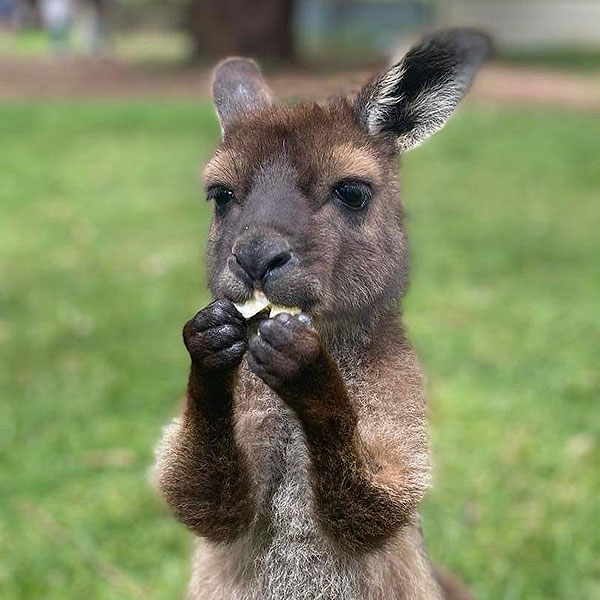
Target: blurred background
{"x":105,"y":123}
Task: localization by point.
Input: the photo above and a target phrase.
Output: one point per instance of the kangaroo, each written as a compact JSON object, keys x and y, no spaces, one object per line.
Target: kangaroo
{"x":302,"y":455}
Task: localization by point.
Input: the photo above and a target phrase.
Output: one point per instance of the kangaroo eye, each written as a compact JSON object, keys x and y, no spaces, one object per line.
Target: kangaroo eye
{"x":352,"y":194}
{"x":221,"y":195}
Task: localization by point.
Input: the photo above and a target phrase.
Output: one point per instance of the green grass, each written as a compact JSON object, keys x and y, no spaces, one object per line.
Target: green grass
{"x":102,"y":228}
{"x":152,"y":48}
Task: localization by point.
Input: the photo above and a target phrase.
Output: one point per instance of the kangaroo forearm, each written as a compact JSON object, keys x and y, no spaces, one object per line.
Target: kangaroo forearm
{"x":206,"y":481}
{"x":357,"y":510}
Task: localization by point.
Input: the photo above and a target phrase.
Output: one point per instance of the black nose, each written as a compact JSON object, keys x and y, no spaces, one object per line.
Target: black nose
{"x":262,"y":258}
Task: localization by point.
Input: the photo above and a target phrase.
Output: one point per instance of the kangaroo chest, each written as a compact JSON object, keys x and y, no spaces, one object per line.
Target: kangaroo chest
{"x":288,"y":550}
{"x":274,"y":444}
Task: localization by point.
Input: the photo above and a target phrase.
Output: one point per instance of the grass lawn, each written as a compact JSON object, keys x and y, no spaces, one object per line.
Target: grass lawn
{"x":102,"y":227}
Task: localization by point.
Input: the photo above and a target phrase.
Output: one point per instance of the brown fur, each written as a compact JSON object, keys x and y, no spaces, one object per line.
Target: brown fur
{"x":215,"y":500}
{"x":302,"y":455}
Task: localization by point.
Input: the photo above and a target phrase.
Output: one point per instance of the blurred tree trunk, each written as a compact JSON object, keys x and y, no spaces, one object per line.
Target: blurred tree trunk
{"x":260,"y":28}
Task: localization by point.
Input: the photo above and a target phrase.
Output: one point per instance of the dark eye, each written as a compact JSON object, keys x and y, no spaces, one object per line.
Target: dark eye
{"x":220,"y":194}
{"x":352,"y":194}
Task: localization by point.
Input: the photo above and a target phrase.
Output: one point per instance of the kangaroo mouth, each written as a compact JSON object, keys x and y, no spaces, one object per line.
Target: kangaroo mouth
{"x":259,"y":303}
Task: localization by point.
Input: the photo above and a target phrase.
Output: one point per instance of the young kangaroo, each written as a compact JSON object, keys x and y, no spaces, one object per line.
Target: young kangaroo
{"x":301,"y":456}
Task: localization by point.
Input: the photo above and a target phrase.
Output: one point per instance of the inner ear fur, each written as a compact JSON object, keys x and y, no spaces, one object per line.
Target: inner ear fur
{"x":415,"y":97}
{"x":238,"y":87}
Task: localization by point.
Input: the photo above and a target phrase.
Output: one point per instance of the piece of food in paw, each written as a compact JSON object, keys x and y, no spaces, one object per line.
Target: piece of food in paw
{"x":253,"y":306}
{"x":292,"y":310}
{"x":259,"y":302}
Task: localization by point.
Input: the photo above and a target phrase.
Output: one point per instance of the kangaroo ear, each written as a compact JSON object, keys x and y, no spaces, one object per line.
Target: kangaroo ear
{"x":238,"y":87}
{"x":415,"y":97}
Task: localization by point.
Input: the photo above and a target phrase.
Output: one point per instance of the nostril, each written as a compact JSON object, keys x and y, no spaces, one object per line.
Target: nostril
{"x":279,"y":261}
{"x":259,"y":258}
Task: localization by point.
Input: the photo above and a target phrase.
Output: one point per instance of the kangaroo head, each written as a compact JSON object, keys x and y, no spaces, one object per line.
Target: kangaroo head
{"x":306,"y":197}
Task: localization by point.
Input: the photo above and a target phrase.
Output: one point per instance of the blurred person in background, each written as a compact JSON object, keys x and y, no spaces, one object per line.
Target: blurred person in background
{"x":94,"y":26}
{"x":57,"y":16}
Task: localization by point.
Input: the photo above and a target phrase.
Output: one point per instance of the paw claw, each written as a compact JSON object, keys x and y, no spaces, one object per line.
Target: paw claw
{"x":305,"y":319}
{"x":283,"y":317}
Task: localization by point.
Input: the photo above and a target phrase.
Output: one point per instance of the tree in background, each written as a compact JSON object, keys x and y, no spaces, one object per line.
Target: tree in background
{"x":261,"y":28}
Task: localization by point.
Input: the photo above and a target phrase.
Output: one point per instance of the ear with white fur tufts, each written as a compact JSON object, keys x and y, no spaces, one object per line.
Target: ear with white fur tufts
{"x":238,"y":88}
{"x":415,"y":97}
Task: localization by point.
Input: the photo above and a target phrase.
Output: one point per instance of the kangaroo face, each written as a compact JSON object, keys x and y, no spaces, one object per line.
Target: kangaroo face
{"x":306,"y":210}
{"x":306,"y":196}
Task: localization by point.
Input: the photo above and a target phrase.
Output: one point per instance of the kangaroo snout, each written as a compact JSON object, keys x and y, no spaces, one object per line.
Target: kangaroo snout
{"x":263,"y":258}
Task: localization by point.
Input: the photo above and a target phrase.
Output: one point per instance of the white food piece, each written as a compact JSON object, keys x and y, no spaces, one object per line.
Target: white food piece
{"x":259,"y":302}
{"x":253,"y":306}
{"x":275,"y":310}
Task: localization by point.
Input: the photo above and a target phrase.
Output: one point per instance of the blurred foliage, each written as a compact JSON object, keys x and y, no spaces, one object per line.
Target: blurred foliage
{"x":102,"y":228}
